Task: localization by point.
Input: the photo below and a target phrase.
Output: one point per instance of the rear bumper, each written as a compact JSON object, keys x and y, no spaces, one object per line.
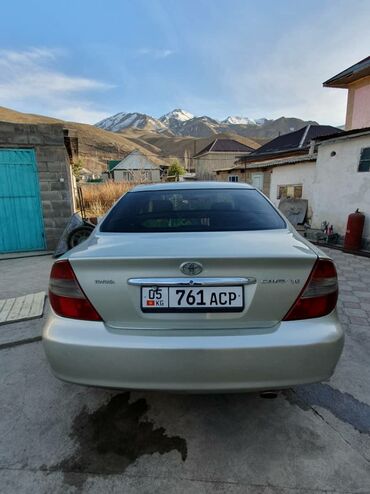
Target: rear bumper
{"x":294,"y":352}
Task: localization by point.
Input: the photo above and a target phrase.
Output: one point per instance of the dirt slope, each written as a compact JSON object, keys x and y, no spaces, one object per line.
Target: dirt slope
{"x":96,"y":146}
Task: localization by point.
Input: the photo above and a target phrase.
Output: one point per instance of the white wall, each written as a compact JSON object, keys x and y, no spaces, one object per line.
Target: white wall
{"x":135,"y":168}
{"x":339,"y":189}
{"x":299,"y":174}
{"x":136,"y":175}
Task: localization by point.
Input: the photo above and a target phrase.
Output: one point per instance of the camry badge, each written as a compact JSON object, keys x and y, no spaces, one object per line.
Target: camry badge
{"x":191,"y":268}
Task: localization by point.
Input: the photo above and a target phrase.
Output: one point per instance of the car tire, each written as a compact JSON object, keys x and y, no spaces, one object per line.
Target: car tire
{"x":79,"y":235}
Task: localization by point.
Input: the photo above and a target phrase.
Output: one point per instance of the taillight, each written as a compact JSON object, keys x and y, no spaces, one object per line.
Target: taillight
{"x":66,"y":296}
{"x":319,"y":296}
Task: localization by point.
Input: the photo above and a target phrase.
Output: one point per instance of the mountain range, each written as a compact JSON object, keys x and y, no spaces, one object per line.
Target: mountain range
{"x":179,"y":122}
{"x":162,"y":140}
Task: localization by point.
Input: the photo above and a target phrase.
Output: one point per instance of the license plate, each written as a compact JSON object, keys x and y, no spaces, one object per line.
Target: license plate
{"x":192,"y":299}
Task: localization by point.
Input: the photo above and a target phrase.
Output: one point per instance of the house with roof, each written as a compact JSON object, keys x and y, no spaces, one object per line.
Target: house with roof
{"x":342,"y":171}
{"x":356,"y":79}
{"x":220,"y":153}
{"x":342,"y":180}
{"x":137,"y":167}
{"x":328,"y":167}
{"x":283,"y":167}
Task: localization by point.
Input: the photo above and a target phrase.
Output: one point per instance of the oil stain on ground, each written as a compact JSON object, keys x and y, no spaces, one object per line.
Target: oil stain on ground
{"x":343,"y":405}
{"x":113,"y":437}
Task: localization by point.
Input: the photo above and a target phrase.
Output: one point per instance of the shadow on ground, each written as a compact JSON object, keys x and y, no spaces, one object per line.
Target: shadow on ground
{"x":343,"y":405}
{"x":115,"y":435}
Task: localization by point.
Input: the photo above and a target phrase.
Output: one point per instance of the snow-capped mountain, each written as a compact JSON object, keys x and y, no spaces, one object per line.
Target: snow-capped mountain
{"x":179,"y":122}
{"x":177,"y":114}
{"x":261,"y":121}
{"x":122,"y":120}
{"x":236,"y":120}
{"x":111,"y":123}
{"x":175,"y":119}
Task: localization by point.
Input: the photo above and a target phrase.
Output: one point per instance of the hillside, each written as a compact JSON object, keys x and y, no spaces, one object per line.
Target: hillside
{"x":96,"y":145}
{"x":176,"y":145}
{"x":181,"y":148}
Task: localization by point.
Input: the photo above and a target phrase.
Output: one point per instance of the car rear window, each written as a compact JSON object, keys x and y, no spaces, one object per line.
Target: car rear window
{"x":192,"y":210}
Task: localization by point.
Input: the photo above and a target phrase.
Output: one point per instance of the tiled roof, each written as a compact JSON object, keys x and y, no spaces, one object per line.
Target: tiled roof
{"x":354,"y":73}
{"x":225,"y":146}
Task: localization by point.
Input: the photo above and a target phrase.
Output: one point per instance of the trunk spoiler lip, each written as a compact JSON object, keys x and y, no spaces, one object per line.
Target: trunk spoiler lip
{"x":192,"y":281}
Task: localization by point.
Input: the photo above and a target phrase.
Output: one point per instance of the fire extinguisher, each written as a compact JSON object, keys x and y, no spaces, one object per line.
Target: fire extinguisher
{"x":355,"y":226}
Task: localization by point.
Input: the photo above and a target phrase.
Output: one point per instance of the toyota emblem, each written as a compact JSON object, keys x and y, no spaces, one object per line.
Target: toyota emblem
{"x":191,"y":268}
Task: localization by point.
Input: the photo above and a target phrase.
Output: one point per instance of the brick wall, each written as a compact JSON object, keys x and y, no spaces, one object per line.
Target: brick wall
{"x":53,"y":169}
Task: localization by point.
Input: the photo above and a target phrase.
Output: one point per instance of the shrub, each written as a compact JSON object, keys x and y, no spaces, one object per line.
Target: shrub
{"x":176,"y":170}
{"x":99,"y":197}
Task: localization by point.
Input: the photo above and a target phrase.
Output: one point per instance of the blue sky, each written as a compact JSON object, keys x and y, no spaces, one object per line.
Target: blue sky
{"x":84,"y":60}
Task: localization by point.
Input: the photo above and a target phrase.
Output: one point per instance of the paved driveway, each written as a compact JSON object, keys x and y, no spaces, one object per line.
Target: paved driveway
{"x":61,"y":438}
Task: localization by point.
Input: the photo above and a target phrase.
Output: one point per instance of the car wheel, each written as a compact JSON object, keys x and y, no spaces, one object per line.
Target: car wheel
{"x":79,"y":235}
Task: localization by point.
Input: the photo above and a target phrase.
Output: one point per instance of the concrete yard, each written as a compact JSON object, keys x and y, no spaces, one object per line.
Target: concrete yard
{"x":62,"y":438}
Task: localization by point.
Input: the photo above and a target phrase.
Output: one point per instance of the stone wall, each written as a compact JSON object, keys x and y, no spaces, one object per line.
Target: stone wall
{"x":53,"y":169}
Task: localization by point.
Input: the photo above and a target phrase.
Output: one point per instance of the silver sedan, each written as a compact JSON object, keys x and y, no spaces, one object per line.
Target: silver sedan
{"x":193,"y":286}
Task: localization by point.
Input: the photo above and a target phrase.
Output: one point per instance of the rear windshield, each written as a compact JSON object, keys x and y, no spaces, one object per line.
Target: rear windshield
{"x":192,"y":210}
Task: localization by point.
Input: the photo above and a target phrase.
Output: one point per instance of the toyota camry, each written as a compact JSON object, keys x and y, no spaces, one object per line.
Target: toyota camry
{"x":193,"y":286}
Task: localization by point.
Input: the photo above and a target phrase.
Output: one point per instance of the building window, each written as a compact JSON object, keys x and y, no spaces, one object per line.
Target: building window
{"x":290,"y":191}
{"x":233,"y":178}
{"x":364,"y":165}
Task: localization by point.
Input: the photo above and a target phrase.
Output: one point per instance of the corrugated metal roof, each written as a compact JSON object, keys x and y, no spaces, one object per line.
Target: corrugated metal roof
{"x":112,"y":163}
{"x":281,"y":162}
{"x":294,"y":140}
{"x":142,"y":163}
{"x":345,"y":134}
{"x":276,"y":162}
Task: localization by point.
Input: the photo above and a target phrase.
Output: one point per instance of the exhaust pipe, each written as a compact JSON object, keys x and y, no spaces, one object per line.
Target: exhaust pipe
{"x":269,"y":395}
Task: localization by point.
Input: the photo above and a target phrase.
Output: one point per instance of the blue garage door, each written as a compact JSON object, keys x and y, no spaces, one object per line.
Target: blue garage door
{"x":21,"y":224}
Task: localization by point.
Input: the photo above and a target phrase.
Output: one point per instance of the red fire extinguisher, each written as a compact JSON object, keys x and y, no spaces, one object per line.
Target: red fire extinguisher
{"x":355,"y":226}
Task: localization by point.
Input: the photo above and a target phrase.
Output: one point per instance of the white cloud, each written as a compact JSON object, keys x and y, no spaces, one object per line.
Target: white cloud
{"x":28,"y":78}
{"x":155,"y":53}
{"x":287,"y":78}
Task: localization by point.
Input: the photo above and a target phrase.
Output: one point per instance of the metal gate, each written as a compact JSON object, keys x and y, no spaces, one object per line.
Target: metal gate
{"x":21,"y":223}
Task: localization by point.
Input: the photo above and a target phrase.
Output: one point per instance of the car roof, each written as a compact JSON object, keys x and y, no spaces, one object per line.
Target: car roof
{"x":191,"y":185}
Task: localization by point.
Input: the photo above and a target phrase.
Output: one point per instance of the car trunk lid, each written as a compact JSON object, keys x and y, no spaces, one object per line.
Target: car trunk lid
{"x":278,"y":260}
